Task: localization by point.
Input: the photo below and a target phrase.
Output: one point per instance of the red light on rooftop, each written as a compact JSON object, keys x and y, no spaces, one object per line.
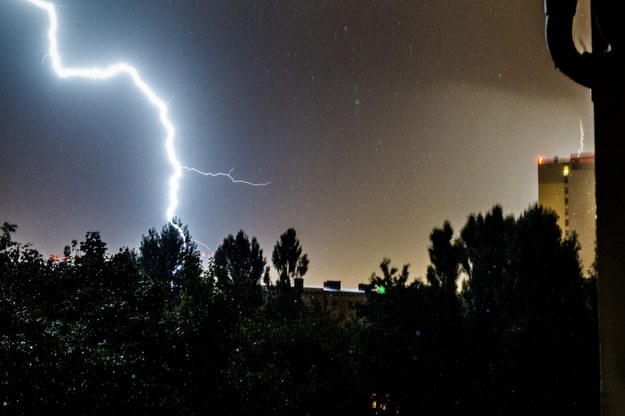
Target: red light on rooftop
{"x":540,"y":160}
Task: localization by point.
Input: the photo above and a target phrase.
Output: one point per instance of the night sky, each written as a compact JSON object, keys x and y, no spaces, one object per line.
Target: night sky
{"x":374,"y":121}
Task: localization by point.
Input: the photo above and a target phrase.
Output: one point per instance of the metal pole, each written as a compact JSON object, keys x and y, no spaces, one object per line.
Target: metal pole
{"x":604,"y":72}
{"x":608,"y":95}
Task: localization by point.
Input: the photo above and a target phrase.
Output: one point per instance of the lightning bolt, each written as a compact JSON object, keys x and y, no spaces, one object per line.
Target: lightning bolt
{"x":581,"y":138}
{"x":210,"y":252}
{"x":228,"y":175}
{"x":125,"y":69}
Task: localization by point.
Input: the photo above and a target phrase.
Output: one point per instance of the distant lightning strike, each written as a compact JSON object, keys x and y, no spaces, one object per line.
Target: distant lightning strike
{"x":581,"y":138}
{"x":161,"y":106}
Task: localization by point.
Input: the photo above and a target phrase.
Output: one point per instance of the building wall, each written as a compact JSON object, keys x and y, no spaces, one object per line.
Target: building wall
{"x":568,"y":187}
{"x":343,"y":303}
{"x":551,"y":188}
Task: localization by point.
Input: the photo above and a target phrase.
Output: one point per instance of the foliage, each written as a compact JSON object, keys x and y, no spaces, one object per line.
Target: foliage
{"x":288,"y":259}
{"x":503,"y":323}
{"x":291,"y":264}
{"x":162,"y":261}
{"x":239,"y":266}
{"x":305,"y":365}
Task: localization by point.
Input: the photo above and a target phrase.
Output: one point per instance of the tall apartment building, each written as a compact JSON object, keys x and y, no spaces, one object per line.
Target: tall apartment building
{"x":567,"y":186}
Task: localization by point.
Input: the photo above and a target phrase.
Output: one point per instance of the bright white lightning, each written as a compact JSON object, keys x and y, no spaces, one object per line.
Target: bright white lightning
{"x":581,"y":138}
{"x":228,"y":175}
{"x":161,"y":106}
{"x":210,"y":252}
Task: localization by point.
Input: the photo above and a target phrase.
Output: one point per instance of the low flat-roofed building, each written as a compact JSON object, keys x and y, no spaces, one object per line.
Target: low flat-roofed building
{"x":330,"y":297}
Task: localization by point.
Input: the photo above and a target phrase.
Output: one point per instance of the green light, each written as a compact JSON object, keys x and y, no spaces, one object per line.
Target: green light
{"x":381,"y":290}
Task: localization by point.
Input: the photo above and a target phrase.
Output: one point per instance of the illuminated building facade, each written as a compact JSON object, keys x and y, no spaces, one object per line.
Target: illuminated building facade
{"x":567,"y":186}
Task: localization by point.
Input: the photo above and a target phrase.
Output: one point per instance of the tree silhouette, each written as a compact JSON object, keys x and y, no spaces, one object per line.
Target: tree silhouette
{"x":288,"y":259}
{"x":162,"y":259}
{"x":444,"y":271}
{"x":447,"y":338}
{"x":290,"y":263}
{"x":98,"y":333}
{"x":526,"y":315}
{"x":239,"y":266}
{"x":5,"y":239}
{"x":166,"y":261}
{"x":390,"y":325}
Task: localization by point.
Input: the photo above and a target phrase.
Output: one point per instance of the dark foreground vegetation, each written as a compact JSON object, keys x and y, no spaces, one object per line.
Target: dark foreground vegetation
{"x":503,"y":324}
